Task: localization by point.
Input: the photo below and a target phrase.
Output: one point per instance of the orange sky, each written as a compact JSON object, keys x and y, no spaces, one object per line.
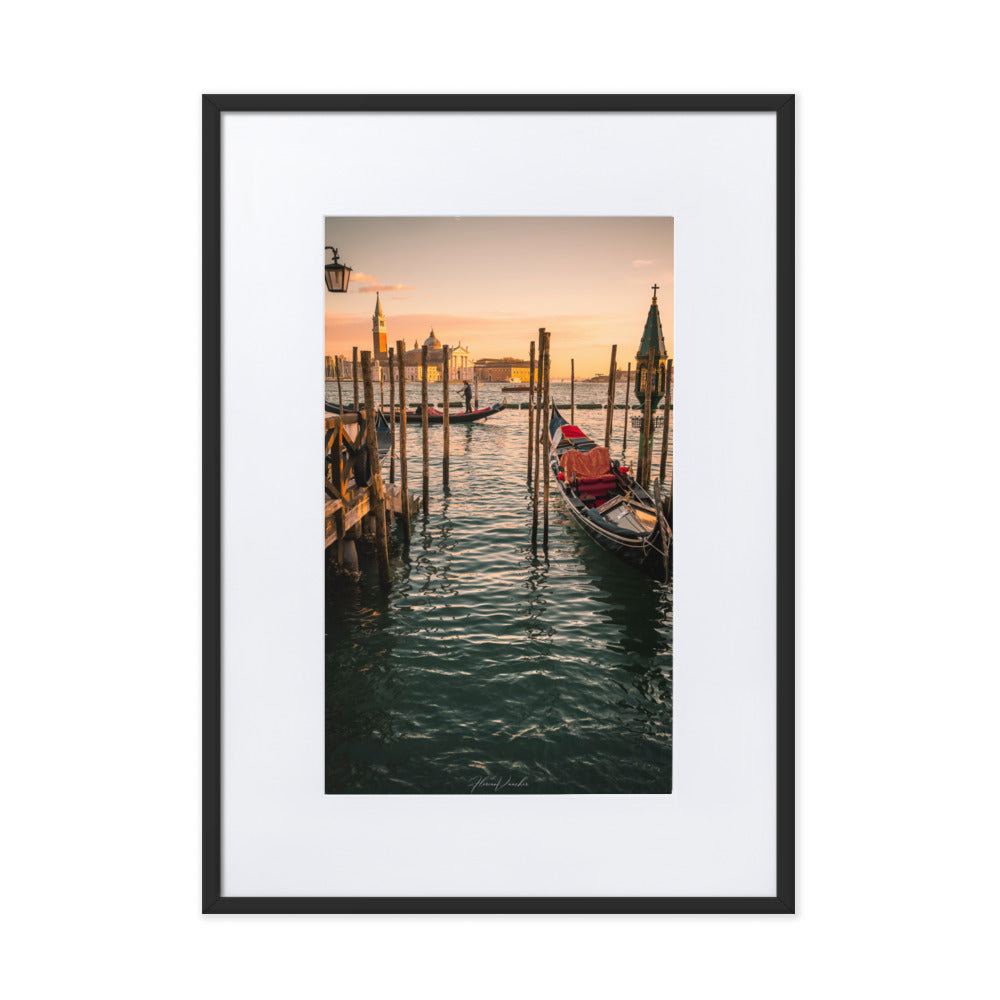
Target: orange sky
{"x":490,"y":283}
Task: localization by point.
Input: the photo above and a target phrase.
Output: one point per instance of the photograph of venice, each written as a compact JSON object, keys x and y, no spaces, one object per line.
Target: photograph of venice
{"x":499,"y":505}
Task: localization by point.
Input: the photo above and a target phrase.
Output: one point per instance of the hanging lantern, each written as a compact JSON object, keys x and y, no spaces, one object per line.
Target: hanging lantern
{"x":337,"y":275}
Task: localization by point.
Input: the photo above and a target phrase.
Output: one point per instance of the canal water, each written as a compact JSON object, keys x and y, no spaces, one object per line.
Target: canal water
{"x":488,"y":667}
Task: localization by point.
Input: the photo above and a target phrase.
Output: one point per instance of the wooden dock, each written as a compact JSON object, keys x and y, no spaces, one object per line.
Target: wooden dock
{"x":347,"y":501}
{"x":342,"y":518}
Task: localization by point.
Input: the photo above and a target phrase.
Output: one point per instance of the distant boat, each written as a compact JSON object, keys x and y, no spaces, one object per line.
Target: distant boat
{"x":605,"y":500}
{"x":516,"y":388}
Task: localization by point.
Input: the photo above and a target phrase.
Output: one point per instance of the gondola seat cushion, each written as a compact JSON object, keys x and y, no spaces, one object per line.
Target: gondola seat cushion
{"x":572,"y":431}
{"x":595,"y":486}
{"x":586,"y":464}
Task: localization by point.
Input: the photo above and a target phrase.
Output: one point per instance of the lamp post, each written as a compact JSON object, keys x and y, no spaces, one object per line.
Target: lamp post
{"x":337,"y":275}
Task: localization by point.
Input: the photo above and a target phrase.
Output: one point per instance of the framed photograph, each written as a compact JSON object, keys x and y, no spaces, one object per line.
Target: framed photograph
{"x":497,"y":668}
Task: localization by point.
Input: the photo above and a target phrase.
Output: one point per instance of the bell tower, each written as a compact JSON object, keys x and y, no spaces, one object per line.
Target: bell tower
{"x":379,"y":348}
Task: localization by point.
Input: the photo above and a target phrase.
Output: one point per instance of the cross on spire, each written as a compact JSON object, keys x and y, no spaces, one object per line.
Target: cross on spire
{"x":655,"y":287}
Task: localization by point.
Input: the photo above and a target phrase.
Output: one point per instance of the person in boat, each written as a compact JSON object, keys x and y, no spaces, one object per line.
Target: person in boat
{"x":467,"y":392}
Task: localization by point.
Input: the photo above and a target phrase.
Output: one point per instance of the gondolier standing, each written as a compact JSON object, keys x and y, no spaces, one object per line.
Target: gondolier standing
{"x":467,"y":392}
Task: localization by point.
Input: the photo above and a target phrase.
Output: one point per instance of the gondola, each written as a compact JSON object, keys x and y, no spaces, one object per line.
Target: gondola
{"x":435,"y":416}
{"x":383,"y":434}
{"x":604,"y":499}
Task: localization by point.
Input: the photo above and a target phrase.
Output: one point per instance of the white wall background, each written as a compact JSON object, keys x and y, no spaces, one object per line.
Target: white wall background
{"x":100,"y":376}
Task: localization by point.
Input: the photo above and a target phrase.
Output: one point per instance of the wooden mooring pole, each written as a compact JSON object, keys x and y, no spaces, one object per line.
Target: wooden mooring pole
{"x":404,"y":495}
{"x":354,"y":368}
{"x":425,"y":421}
{"x":340,"y":393}
{"x":376,"y":485}
{"x":628,"y":382}
{"x":537,"y":445}
{"x":392,"y":417}
{"x":546,"y":439}
{"x":531,"y":397}
{"x":612,"y":381}
{"x":572,"y":391}
{"x":666,"y":421}
{"x":338,"y":475}
{"x":646,"y":438}
{"x":447,"y":410}
{"x":475,"y":379}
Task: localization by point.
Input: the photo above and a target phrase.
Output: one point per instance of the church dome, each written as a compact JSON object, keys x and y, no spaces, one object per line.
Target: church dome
{"x":432,"y":343}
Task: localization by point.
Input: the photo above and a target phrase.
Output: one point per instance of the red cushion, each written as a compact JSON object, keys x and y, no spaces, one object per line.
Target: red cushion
{"x":572,"y":431}
{"x":596,"y":486}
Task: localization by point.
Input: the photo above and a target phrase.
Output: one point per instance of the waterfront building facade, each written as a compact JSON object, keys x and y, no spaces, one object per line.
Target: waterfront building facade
{"x":503,"y":370}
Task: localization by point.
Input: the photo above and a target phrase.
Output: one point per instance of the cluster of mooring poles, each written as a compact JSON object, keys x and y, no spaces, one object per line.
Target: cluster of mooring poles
{"x":646,"y":422}
{"x":352,"y":505}
{"x":647,"y":425}
{"x":648,"y":392}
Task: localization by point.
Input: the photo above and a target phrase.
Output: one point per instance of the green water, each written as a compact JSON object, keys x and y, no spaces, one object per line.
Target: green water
{"x":491,"y":668}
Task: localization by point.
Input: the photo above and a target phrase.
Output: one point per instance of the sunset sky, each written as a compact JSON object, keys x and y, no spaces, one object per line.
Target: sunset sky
{"x":490,"y":283}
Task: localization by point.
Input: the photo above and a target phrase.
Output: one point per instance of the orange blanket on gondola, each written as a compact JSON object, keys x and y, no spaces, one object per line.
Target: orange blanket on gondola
{"x":586,"y":464}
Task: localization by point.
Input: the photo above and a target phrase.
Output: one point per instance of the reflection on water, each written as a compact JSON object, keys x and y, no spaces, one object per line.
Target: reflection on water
{"x":533,"y":673}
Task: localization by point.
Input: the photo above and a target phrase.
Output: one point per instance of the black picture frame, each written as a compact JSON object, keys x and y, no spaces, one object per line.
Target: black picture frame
{"x":213,"y":107}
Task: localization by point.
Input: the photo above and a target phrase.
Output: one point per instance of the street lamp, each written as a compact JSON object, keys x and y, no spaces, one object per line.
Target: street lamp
{"x":337,"y":274}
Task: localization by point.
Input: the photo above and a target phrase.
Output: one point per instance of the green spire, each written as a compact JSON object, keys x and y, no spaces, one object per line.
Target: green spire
{"x":653,"y":332}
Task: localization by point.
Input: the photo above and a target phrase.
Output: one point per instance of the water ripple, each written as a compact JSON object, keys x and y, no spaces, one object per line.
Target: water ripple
{"x":487,"y":660}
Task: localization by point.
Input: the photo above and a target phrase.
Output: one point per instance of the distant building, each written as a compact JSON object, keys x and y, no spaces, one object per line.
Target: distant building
{"x":503,"y":370}
{"x":459,"y":359}
{"x":379,"y":372}
{"x":413,"y":360}
{"x":459,"y":365}
{"x":346,"y":367}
